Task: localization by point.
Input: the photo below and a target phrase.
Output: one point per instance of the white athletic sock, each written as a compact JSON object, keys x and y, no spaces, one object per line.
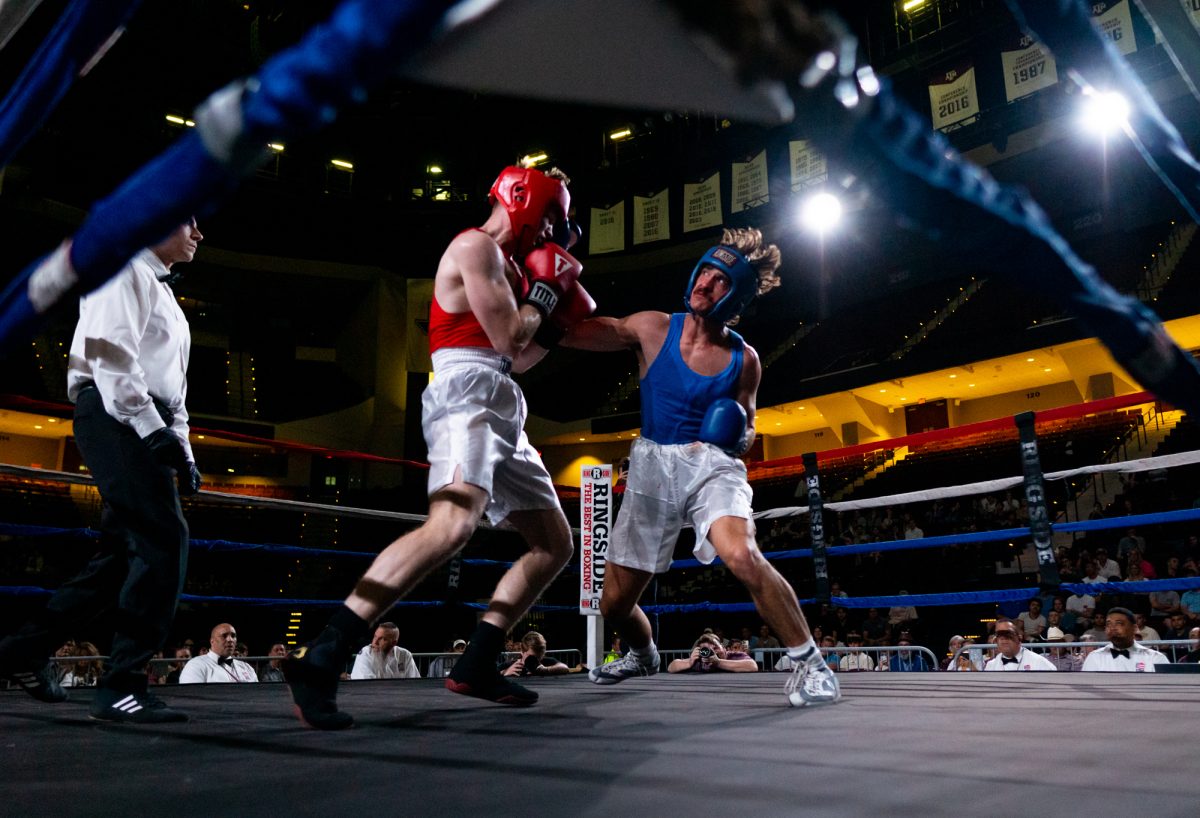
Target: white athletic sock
{"x":647,"y":655}
{"x":805,"y":654}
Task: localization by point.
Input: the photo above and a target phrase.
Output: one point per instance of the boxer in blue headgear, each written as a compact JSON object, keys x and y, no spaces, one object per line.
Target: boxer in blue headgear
{"x":743,"y":282}
{"x":699,"y":382}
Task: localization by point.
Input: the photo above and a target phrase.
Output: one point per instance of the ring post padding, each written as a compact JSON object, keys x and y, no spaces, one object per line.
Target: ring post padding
{"x":816,"y":525}
{"x":1035,"y":497}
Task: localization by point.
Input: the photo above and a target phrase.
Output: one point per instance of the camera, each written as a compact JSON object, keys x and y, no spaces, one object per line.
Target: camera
{"x":706,"y":653}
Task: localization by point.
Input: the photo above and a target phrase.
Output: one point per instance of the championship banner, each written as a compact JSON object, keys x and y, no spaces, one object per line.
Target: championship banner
{"x":1028,"y":68}
{"x":416,"y":353}
{"x":953,"y":98}
{"x":750,"y":183}
{"x":1116,"y":24}
{"x":608,"y":229}
{"x":651,"y":218}
{"x":595,"y":527}
{"x":808,"y":165}
{"x":702,"y":204}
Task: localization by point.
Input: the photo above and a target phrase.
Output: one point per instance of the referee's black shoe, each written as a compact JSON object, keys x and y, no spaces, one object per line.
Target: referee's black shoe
{"x":111,"y":705}
{"x":41,"y":683}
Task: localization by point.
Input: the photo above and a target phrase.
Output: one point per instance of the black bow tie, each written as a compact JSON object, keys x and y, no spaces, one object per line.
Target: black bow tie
{"x":1004,"y":660}
{"x":221,"y":660}
{"x":1117,"y":652}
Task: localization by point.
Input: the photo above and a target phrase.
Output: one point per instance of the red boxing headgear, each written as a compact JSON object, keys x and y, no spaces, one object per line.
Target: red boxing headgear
{"x":528,"y":194}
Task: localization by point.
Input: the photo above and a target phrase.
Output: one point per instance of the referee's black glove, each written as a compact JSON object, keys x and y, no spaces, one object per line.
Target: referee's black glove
{"x":167,"y":449}
{"x":190,"y":481}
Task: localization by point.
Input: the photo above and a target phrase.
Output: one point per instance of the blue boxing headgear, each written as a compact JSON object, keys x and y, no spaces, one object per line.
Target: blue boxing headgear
{"x":743,"y":280}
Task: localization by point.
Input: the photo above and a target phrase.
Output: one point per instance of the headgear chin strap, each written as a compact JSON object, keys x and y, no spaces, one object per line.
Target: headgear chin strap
{"x":527,"y":194}
{"x":743,"y":282}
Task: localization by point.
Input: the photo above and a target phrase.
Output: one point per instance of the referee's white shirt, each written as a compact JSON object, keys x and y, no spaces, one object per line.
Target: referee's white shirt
{"x":1141,"y":659}
{"x":133,"y":341}
{"x":1026,"y":660}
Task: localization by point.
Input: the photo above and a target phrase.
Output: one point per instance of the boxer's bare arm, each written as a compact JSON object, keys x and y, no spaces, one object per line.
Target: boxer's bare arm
{"x":747,"y":394}
{"x":643,"y":332}
{"x":473,"y":276}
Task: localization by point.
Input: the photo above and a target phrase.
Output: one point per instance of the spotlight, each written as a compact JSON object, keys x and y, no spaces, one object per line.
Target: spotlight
{"x":820,"y":212}
{"x":1104,"y":112}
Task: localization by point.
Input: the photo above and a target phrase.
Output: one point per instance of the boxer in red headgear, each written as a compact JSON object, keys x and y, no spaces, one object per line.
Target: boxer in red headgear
{"x":486,"y":312}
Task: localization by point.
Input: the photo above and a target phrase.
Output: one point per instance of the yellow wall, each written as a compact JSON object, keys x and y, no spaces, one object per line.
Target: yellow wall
{"x":564,"y":462}
{"x":1013,"y":403}
{"x":38,"y":452}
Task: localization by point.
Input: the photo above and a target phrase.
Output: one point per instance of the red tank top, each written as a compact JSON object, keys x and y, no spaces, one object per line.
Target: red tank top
{"x":457,"y":329}
{"x":454,"y":329}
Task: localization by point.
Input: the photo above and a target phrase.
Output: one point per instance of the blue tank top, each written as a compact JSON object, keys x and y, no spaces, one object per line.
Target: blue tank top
{"x":675,"y":398}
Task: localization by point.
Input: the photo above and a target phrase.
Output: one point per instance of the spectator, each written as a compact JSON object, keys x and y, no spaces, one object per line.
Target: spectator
{"x":912,"y":531}
{"x":1096,"y":632}
{"x":856,"y":659}
{"x":1032,"y":621}
{"x":273,"y":672}
{"x":1108,"y":569}
{"x":1122,"y":652}
{"x":955,"y":643}
{"x":1055,"y":620}
{"x":1189,"y":603}
{"x":709,"y":655}
{"x":902,"y":617}
{"x":1011,"y":654}
{"x":1063,"y":659}
{"x":156,"y":671}
{"x":1083,"y":606}
{"x":1163,"y":603}
{"x":182,"y":655}
{"x":905,"y":659}
{"x":440,"y":667}
{"x":383,"y":658}
{"x":1192,"y":656}
{"x":87,"y":672}
{"x":1144,"y":631}
{"x":1177,"y":627}
{"x":875,"y":629}
{"x":1147,"y":567}
{"x":219,"y":664}
{"x":533,"y":660}
{"x":764,"y":639}
{"x":1130,"y":542}
{"x":1091,"y":574}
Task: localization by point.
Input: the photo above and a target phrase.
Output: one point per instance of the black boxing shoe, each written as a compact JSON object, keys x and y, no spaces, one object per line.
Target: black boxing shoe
{"x":313,"y":682}
{"x":141,"y":707}
{"x":41,"y":683}
{"x":492,"y":687}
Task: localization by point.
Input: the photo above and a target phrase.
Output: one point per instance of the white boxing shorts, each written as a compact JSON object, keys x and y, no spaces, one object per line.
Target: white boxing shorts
{"x":668,"y":486}
{"x":473,"y":417}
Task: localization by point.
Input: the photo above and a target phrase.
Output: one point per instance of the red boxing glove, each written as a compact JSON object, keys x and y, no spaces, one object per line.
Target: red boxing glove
{"x":574,"y":306}
{"x":552,"y":271}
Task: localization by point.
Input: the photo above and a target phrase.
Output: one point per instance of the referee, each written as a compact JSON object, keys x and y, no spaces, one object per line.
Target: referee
{"x":1122,"y":652}
{"x":127,"y":376}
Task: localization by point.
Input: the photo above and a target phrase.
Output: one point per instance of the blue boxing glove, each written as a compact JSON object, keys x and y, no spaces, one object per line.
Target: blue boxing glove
{"x":724,"y":426}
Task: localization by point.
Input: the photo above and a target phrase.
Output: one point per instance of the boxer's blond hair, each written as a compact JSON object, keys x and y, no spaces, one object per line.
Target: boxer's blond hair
{"x":764,"y":258}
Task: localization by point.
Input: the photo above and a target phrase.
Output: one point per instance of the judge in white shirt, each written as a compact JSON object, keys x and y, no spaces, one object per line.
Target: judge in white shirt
{"x":383,"y":659}
{"x":1122,"y":652}
{"x":218,"y":665}
{"x":1010,"y":655}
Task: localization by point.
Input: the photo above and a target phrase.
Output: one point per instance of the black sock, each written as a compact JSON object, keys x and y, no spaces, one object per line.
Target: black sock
{"x":482,"y":651}
{"x":350,"y":626}
{"x":344,"y":633}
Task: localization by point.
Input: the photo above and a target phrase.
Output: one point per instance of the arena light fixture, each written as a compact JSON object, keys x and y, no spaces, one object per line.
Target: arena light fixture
{"x":342,"y":163}
{"x":909,"y":5}
{"x":434,"y":170}
{"x":175,"y":120}
{"x":275,"y":146}
{"x":622,"y":133}
{"x":1104,"y":112}
{"x":820,"y":212}
{"x":532,"y":160}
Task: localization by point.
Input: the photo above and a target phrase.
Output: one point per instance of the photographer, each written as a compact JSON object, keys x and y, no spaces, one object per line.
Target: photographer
{"x":533,"y":660}
{"x":709,"y":655}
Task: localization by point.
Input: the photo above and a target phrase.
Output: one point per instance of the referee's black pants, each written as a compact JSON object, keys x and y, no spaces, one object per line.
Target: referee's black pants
{"x":137,"y":572}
